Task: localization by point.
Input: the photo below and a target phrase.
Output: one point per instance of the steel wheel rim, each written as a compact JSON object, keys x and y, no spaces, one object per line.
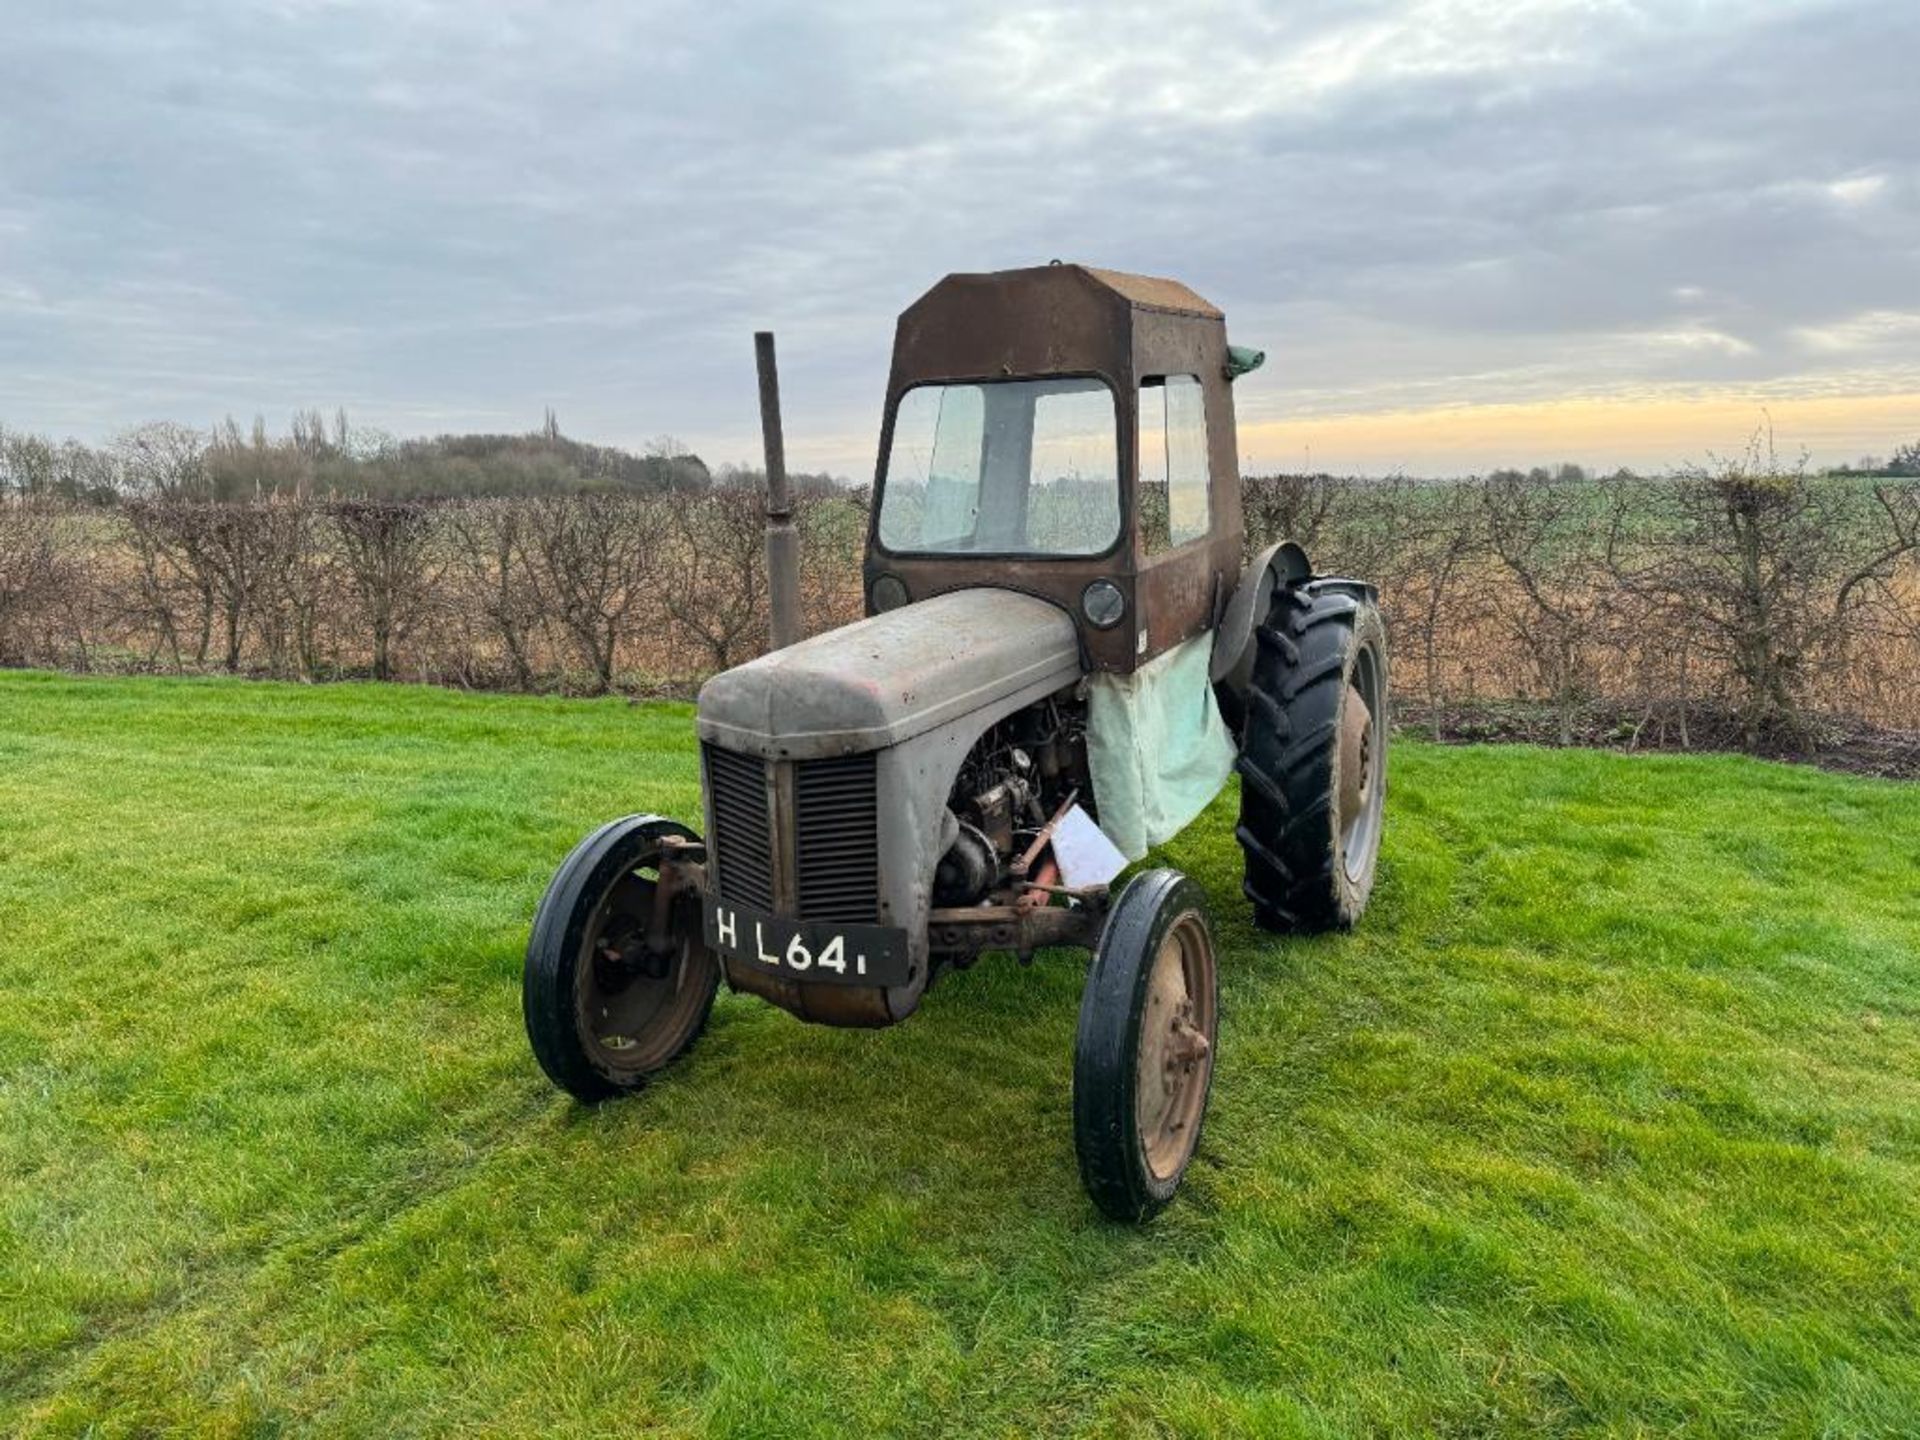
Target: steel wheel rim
{"x":1175,"y":1059}
{"x":1362,"y":768}
{"x":629,"y":1020}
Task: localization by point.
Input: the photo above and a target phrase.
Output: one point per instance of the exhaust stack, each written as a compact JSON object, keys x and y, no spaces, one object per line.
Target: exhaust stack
{"x":783,"y":541}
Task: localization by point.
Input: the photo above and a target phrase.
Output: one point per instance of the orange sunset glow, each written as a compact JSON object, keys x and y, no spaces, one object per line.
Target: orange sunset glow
{"x":1652,"y":434}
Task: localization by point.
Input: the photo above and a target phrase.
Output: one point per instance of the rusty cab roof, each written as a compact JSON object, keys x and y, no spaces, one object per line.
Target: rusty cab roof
{"x":1057,"y":319}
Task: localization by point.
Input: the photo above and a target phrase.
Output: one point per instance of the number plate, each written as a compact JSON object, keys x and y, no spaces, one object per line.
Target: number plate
{"x":824,"y":953}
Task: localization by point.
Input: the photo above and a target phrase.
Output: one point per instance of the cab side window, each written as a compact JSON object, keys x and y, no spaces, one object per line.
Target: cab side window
{"x":1173,"y":462}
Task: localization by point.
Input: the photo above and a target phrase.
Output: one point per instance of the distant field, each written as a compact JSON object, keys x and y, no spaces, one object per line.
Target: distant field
{"x":1607,"y":1121}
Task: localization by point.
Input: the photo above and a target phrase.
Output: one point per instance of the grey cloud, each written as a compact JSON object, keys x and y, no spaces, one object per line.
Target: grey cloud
{"x":451,"y":215}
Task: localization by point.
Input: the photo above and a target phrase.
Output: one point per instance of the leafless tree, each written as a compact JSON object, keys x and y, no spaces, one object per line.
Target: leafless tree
{"x":162,"y":461}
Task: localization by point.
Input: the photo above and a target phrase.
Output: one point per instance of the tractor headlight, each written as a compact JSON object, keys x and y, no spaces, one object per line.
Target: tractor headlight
{"x":1103,"y":604}
{"x":889,"y":593}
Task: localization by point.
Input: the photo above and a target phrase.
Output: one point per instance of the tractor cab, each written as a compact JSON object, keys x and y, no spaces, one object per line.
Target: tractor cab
{"x":1067,"y":432}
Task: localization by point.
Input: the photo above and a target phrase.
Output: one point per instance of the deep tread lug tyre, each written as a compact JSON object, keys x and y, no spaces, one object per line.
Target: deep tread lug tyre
{"x":1144,"y":1052}
{"x":599,"y":1028}
{"x":1311,"y":842}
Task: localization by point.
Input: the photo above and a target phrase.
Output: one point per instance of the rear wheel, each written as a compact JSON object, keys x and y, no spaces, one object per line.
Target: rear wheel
{"x":1313,"y":757}
{"x":1143,"y":1057}
{"x":604,"y":1009}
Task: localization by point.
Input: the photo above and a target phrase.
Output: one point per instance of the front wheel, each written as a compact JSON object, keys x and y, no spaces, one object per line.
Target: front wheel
{"x":1143,"y":1057}
{"x":604,"y":1008}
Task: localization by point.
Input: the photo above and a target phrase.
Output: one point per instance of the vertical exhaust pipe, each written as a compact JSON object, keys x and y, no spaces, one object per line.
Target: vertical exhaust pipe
{"x":783,"y":541}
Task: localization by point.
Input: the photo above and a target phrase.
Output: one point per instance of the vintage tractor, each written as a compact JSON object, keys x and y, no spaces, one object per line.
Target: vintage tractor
{"x":1062,"y":663}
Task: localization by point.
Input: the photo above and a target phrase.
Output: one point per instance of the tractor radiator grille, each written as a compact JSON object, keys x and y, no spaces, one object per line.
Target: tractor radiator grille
{"x":743,"y":840}
{"x":837,"y":852}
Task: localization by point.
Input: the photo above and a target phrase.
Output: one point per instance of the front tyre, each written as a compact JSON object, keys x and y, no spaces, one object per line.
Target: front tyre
{"x":604,"y":1009}
{"x":1143,"y":1056}
{"x":1313,"y":757}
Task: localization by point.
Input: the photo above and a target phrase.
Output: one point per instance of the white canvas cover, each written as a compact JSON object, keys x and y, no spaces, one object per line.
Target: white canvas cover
{"x":1157,"y":747}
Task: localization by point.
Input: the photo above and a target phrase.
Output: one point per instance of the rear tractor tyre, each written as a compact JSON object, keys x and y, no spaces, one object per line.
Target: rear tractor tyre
{"x":604,"y":1010}
{"x":1313,"y":757}
{"x":1143,"y":1057}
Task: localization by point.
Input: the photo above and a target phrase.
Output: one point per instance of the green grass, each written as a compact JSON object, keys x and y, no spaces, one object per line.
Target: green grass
{"x":1607,"y":1120}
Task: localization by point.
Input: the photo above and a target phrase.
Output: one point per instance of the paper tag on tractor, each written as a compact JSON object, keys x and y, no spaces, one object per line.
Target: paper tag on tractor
{"x":1083,"y":852}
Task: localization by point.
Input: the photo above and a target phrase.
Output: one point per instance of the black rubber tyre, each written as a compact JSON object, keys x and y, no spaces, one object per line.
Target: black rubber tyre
{"x":603,"y":1012}
{"x":1143,"y":1056}
{"x":1313,"y":757}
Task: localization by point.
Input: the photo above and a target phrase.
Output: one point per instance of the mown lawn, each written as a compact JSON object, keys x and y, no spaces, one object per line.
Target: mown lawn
{"x":1607,"y":1120}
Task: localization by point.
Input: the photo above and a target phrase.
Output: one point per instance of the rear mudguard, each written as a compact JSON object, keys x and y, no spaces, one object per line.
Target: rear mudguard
{"x":1231,"y":665}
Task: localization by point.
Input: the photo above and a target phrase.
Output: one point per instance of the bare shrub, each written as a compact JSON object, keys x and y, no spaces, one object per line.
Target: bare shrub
{"x":159,"y":576}
{"x":211,"y":556}
{"x":1777,"y":569}
{"x":719,"y":596}
{"x":595,"y":565}
{"x":488,"y":553}
{"x":1288,"y":507}
{"x":1876,"y":668}
{"x":833,"y":537}
{"x":34,"y":580}
{"x":1551,"y":541}
{"x":1436,"y":538}
{"x":299,"y":592}
{"x":384,"y":547}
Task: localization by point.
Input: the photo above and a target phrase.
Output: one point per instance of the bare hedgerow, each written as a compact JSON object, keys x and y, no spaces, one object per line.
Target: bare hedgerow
{"x":489,"y":552}
{"x":596,"y":564}
{"x":833,"y":536}
{"x":1740,"y":602}
{"x":385,"y":550}
{"x":1288,"y":507}
{"x":1424,"y":572}
{"x":35,"y":581}
{"x":1778,"y":568}
{"x":301,"y":595}
{"x":208,"y":558}
{"x":718,"y":595}
{"x":1550,"y":540}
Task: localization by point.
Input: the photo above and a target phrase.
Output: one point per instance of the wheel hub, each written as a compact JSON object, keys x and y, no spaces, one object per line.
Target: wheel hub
{"x":618,"y":962}
{"x":1176,"y":1055}
{"x":1356,"y":755}
{"x":632,"y":1000}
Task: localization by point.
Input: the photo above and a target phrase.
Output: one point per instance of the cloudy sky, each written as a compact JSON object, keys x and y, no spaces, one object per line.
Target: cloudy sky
{"x":1467,"y":231}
